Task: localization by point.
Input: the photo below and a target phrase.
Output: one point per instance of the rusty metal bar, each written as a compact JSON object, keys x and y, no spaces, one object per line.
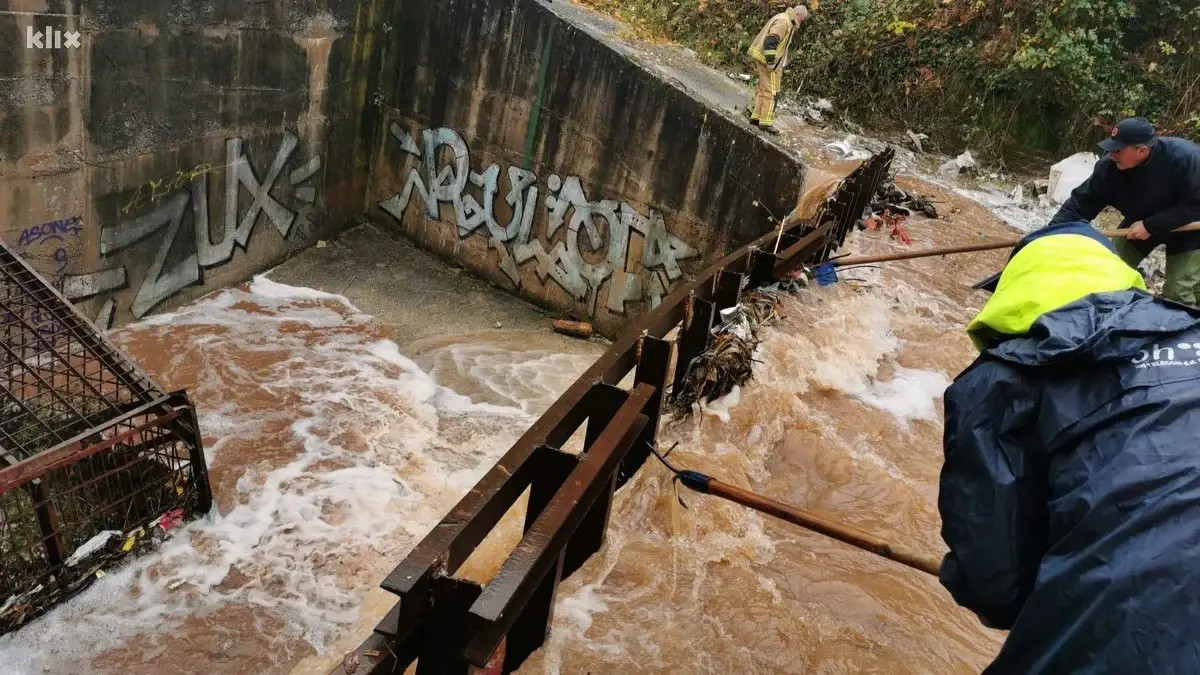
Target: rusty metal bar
{"x":531,"y":626}
{"x":447,"y":633}
{"x":190,"y":426}
{"x":542,"y":546}
{"x":449,"y":544}
{"x":762,"y":267}
{"x":792,"y":258}
{"x":693,"y":340}
{"x":653,"y":368}
{"x":729,"y":289}
{"x":47,"y":517}
{"x":551,"y":468}
{"x":606,"y":401}
{"x":71,"y":452}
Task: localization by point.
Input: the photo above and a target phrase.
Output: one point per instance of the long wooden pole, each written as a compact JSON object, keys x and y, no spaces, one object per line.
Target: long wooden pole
{"x":985,"y":246}
{"x":708,"y":485}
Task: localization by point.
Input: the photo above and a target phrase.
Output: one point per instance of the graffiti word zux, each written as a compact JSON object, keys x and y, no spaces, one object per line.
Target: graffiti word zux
{"x":169,"y":274}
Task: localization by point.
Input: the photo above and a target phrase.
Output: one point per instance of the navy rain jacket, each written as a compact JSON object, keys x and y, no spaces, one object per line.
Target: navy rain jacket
{"x":1163,"y":193}
{"x":1070,"y":495}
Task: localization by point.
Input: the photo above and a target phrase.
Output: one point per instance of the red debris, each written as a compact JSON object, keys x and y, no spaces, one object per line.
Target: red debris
{"x":896,"y":222}
{"x":170,"y":520}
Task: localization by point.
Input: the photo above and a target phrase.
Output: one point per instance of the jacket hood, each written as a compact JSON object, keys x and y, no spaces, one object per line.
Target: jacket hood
{"x":1050,"y":269}
{"x":1099,"y":327}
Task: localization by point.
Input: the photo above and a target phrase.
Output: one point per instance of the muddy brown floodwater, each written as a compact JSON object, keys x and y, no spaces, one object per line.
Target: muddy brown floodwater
{"x":332,"y":453}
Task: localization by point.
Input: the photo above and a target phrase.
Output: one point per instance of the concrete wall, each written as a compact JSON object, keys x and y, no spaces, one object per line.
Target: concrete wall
{"x":183,"y":146}
{"x":541,"y":158}
{"x":186,"y":146}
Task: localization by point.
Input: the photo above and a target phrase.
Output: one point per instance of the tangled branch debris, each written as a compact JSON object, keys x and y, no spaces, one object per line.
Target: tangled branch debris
{"x":900,"y":202}
{"x":729,"y":359}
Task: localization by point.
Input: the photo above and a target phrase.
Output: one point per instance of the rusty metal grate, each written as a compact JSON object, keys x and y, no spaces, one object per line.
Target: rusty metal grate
{"x":92,"y":450}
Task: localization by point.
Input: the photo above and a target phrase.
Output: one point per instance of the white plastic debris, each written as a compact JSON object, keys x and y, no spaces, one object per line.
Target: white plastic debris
{"x":823,"y":104}
{"x":916,"y":139}
{"x":734,"y":320}
{"x":91,"y":546}
{"x":961,"y":164}
{"x":847,"y":148}
{"x":1070,"y":174}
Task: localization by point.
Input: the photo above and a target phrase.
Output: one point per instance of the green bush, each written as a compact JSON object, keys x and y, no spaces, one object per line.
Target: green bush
{"x":1001,"y":78}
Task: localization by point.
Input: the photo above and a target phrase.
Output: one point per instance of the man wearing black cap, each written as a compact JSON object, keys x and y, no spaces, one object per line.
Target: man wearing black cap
{"x":1154,"y":181}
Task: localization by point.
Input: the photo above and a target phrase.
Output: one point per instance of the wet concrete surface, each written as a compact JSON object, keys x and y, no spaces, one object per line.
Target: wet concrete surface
{"x":417,"y":297}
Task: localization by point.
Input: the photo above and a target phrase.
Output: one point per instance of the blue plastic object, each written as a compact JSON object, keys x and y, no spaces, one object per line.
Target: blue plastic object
{"x":826,"y":275}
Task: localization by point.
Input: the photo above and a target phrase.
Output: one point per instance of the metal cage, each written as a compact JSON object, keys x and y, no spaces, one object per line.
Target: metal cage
{"x":96,"y":460}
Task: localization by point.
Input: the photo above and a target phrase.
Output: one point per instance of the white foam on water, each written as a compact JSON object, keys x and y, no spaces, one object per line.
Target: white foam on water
{"x":267,"y":289}
{"x":530,"y":380}
{"x":720,"y":407}
{"x":309,"y":531}
{"x":910,"y":394}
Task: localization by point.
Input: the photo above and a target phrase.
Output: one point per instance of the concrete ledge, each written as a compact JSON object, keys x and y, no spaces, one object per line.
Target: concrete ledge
{"x":545,"y":160}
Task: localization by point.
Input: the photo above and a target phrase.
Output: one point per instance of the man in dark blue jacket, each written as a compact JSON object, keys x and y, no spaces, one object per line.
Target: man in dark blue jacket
{"x":1070,"y":494}
{"x":1154,"y":181}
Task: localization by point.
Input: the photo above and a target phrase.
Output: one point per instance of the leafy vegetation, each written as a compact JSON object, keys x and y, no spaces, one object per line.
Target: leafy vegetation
{"x":999,"y":76}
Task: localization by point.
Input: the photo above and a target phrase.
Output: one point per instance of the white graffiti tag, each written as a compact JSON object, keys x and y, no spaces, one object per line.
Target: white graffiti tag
{"x":596,"y":243}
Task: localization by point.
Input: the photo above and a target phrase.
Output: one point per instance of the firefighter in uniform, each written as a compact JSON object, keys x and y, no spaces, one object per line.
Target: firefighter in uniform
{"x":770,"y":53}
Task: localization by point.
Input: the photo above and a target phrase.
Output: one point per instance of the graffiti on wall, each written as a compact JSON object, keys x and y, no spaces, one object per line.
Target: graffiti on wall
{"x":51,"y":240}
{"x":156,"y":212}
{"x":49,"y":246}
{"x":580,"y":261}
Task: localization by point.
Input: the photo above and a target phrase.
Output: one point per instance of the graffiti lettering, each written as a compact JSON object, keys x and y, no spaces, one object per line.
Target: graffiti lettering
{"x":53,"y":231}
{"x":594,"y":247}
{"x":155,"y":190}
{"x":165,"y":278}
{"x":35,"y":241}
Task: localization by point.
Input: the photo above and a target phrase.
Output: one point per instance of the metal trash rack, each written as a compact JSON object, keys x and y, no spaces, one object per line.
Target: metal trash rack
{"x":90,"y":448}
{"x":450,"y":626}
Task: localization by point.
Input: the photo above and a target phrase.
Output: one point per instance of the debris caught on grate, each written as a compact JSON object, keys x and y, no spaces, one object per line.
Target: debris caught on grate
{"x":901,"y":202}
{"x":97,"y":461}
{"x":728,"y":361}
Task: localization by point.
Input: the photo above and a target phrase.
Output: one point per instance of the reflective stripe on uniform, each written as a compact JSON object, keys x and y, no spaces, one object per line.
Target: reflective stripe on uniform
{"x":775,"y":83}
{"x":1049,"y":273}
